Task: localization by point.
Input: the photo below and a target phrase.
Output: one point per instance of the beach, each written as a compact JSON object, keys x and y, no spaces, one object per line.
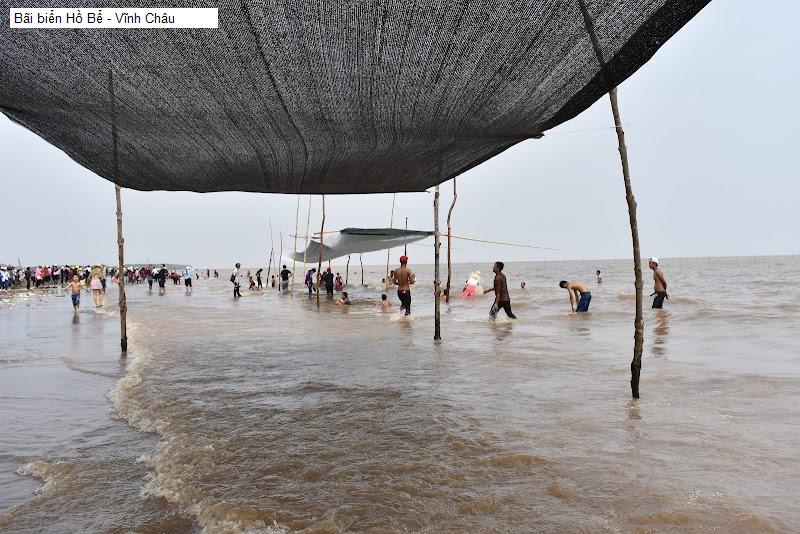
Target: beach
{"x":268,"y":415}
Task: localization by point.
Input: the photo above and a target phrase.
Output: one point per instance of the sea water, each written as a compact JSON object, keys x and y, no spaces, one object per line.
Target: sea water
{"x":269,"y":414}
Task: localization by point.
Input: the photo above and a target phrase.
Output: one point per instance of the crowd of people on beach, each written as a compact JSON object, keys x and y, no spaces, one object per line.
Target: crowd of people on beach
{"x":40,"y":276}
{"x":93,"y":278}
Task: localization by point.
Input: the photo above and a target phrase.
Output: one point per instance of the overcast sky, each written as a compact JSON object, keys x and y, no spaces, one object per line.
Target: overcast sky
{"x":710,"y":125}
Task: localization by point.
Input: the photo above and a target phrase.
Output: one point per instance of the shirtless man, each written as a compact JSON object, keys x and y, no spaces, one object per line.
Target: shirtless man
{"x":404,"y":278}
{"x":75,"y":287}
{"x":577,"y":293}
{"x":501,"y":297}
{"x":659,"y":285}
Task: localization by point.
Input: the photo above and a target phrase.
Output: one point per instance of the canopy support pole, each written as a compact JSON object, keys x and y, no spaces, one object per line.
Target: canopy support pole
{"x":347,"y":270}
{"x":278,"y":260}
{"x":361,"y":260}
{"x":123,"y":302}
{"x":437,"y":330}
{"x":321,"y":239}
{"x":449,"y":232}
{"x":296,"y":223}
{"x":638,"y":324}
{"x":389,"y":250}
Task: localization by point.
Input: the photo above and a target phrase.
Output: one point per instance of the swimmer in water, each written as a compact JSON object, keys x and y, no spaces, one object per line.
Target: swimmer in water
{"x":344,"y":300}
{"x":384,"y":303}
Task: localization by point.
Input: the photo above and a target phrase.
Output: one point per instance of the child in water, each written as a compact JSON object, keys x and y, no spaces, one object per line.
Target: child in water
{"x":344,"y":301}
{"x":385,"y":304}
{"x":252,"y":283}
{"x":75,"y":287}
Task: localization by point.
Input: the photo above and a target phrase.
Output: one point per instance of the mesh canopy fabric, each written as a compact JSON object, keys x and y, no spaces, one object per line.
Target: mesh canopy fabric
{"x":314,"y":96}
{"x":358,"y":240}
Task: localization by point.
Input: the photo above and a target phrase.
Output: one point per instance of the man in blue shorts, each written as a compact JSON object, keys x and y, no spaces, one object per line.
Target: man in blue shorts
{"x":579,"y":293}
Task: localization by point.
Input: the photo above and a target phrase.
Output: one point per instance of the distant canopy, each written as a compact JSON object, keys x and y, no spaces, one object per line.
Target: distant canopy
{"x":361,"y":96}
{"x":358,"y":240}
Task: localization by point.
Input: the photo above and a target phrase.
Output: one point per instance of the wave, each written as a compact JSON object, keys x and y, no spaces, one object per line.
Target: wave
{"x":176,"y":456}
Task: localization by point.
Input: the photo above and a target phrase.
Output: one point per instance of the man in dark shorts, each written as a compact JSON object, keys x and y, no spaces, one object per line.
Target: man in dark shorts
{"x":502,"y":300}
{"x":580,"y":293}
{"x":404,"y":278}
{"x":162,"y":278}
{"x":285,"y":274}
{"x":258,"y":278}
{"x":327,"y":277}
{"x":236,"y":278}
{"x":659,"y":285}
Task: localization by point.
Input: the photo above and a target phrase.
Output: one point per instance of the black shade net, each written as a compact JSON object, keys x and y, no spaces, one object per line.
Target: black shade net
{"x":325,"y":96}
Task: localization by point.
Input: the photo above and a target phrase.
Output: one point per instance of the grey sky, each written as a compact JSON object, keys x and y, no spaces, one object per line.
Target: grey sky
{"x":710,"y":126}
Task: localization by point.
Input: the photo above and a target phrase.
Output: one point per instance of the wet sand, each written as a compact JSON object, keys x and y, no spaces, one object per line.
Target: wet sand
{"x":266,"y":414}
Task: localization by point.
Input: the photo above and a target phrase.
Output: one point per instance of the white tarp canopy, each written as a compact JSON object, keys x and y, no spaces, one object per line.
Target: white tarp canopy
{"x":359,"y":240}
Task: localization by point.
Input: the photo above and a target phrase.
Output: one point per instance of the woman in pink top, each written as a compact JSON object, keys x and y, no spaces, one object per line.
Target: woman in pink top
{"x":96,"y":285}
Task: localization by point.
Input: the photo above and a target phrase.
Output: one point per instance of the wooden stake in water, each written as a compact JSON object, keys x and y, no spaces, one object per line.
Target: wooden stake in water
{"x":308,"y":227}
{"x":271,"y":249}
{"x":638,"y":323}
{"x":437,"y":331}
{"x":449,"y":239}
{"x":389,"y":250}
{"x":294,"y":251}
{"x":123,"y":303}
{"x":347,"y":270}
{"x":361,"y":260}
{"x":321,"y":239}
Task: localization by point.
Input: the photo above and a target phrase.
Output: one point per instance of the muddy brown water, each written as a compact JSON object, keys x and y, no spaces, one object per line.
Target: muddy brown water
{"x":268,"y":415}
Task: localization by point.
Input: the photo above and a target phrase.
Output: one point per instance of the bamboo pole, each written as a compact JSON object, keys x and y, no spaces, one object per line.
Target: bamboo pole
{"x":308,"y":226}
{"x":437,"y":331}
{"x":271,"y":250}
{"x":361,"y":260}
{"x":123,"y":302}
{"x":321,"y":239}
{"x":294,"y":250}
{"x":405,"y":244}
{"x":278,"y":263}
{"x":389,"y":250}
{"x":347,"y":270}
{"x":638,"y":323}
{"x":449,"y":239}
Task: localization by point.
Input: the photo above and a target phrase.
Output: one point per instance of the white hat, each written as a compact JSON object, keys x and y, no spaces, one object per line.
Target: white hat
{"x":654,"y":260}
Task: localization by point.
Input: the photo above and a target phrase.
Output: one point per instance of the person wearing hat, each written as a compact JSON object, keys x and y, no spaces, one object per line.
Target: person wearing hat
{"x":404,"y":278}
{"x":659,"y":285}
{"x":236,"y":278}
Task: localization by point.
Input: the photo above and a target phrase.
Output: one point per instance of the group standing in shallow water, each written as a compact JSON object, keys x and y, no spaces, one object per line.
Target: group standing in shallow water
{"x":93,"y":279}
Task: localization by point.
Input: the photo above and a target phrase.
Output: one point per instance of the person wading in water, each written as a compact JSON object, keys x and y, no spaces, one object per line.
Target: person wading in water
{"x":404,"y":278}
{"x":659,"y":285}
{"x":501,"y":297}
